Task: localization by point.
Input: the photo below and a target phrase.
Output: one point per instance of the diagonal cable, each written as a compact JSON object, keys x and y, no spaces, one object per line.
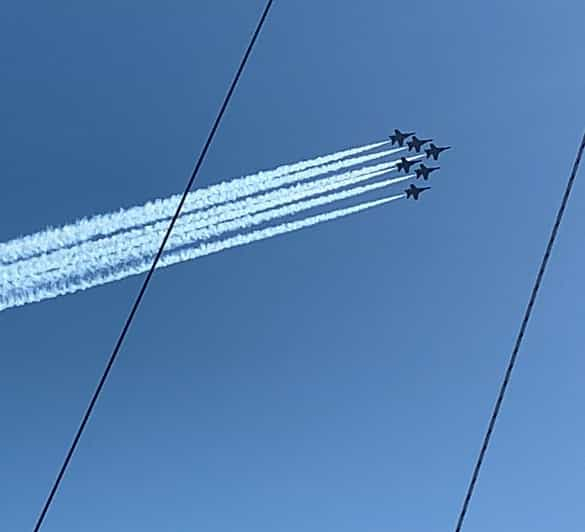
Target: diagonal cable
{"x":150,"y":273}
{"x":512,"y":362}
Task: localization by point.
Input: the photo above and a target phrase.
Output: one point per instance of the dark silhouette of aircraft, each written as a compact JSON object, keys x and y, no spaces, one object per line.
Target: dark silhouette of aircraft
{"x":424,"y":171}
{"x":399,"y":137}
{"x":416,"y":144}
{"x":434,"y":151}
{"x":414,"y":191}
{"x":404,"y":164}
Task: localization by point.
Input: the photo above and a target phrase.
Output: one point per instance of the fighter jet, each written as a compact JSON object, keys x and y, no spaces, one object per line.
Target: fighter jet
{"x":404,"y":164}
{"x":434,"y":151}
{"x":399,"y":137}
{"x":414,"y":191}
{"x":424,"y":171}
{"x":416,"y":144}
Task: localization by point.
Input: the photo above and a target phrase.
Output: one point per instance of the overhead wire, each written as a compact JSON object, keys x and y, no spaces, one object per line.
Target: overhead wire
{"x":150,"y":273}
{"x":519,"y":338}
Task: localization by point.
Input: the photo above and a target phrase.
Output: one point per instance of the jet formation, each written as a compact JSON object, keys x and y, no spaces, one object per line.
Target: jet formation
{"x":416,"y":145}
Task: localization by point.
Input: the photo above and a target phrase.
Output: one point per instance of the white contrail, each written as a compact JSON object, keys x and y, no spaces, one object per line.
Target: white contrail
{"x":200,"y":218}
{"x":90,"y":251}
{"x":22,"y":297}
{"x":145,"y":241}
{"x":106,"y":224}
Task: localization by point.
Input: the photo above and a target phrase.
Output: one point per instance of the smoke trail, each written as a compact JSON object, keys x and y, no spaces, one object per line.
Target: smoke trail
{"x":106,"y":224}
{"x":147,"y":244}
{"x":111,"y":255}
{"x":22,"y":297}
{"x":89,"y":252}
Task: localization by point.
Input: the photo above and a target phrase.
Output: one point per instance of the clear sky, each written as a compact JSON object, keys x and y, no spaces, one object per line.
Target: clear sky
{"x":335,"y":379}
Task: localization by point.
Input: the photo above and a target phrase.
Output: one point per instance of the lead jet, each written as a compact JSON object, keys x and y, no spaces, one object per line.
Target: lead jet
{"x":404,"y":164}
{"x":424,"y":171}
{"x":416,"y":144}
{"x":434,"y":151}
{"x":399,"y":137}
{"x":413,"y":191}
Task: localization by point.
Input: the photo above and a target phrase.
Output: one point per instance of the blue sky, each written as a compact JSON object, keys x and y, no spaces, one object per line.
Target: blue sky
{"x":339,"y":378}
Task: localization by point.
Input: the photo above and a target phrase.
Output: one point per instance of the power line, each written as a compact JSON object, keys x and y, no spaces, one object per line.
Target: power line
{"x":512,"y":362}
{"x":150,"y":273}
